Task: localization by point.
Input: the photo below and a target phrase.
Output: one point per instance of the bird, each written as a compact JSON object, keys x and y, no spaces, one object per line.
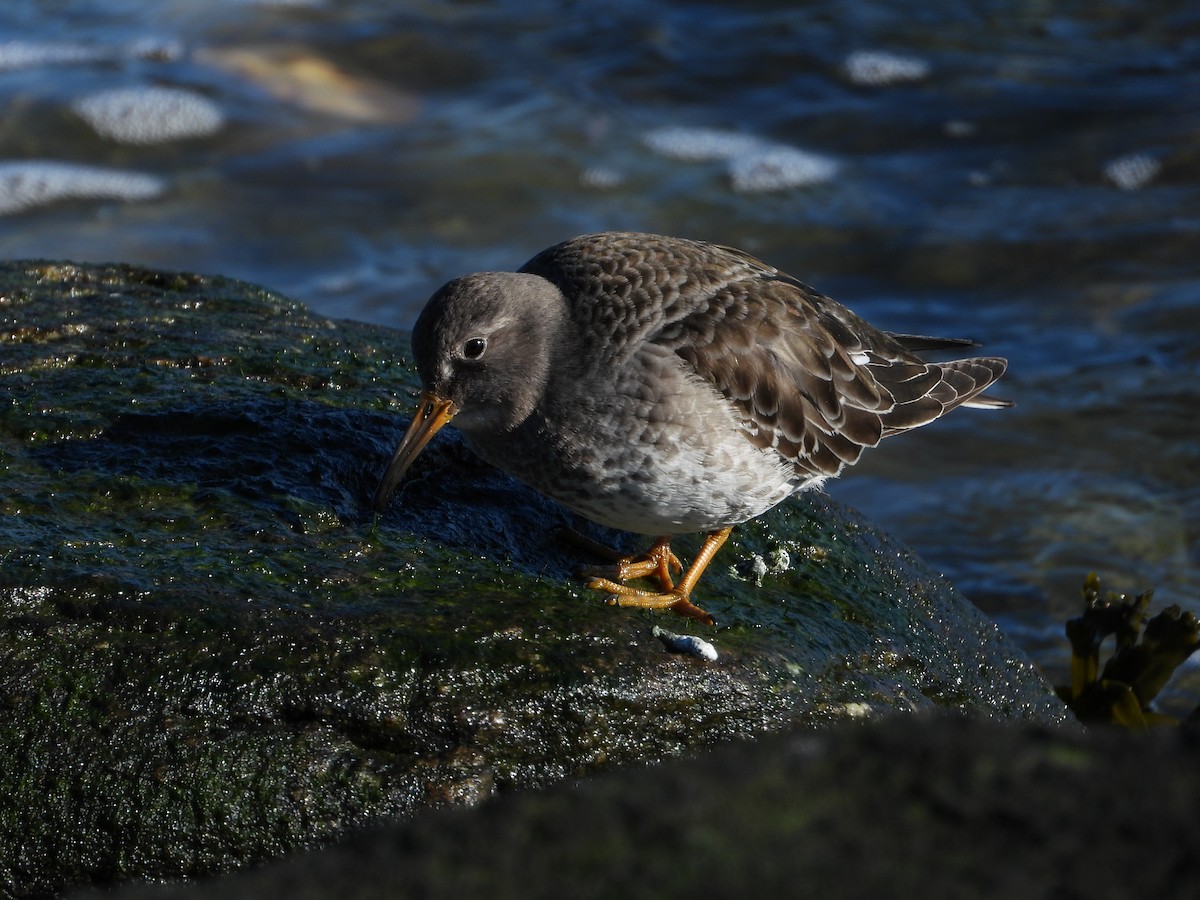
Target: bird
{"x":663,"y":386}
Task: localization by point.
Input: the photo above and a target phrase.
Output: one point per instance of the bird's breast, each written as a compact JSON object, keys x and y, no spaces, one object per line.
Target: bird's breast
{"x":652,"y":450}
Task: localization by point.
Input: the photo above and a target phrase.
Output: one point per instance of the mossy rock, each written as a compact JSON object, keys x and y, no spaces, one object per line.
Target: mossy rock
{"x":212,"y":653}
{"x":907,"y":808}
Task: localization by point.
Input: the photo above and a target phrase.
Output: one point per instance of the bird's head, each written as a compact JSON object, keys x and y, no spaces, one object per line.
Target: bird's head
{"x":483,"y":347}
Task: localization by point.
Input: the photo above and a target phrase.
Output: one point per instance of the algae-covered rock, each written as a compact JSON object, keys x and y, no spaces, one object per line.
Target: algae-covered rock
{"x":910,"y":808}
{"x":211,"y":653}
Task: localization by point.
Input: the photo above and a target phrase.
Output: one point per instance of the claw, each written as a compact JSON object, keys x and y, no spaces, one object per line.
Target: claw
{"x":659,"y":561}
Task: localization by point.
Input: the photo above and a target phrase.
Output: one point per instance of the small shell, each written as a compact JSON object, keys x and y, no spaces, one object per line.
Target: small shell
{"x":686,"y":643}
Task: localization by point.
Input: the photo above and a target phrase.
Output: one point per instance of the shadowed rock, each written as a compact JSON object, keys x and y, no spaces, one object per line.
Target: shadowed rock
{"x":910,"y":808}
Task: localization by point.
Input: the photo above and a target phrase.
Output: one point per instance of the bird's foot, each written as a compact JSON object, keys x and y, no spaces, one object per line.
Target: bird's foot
{"x":658,"y":561}
{"x":673,"y":599}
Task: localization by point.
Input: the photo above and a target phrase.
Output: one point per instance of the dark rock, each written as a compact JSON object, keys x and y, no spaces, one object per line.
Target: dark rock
{"x":211,"y":654}
{"x":907,"y":808}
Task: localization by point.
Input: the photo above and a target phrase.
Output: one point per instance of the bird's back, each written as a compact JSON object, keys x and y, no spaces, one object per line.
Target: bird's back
{"x":809,"y":379}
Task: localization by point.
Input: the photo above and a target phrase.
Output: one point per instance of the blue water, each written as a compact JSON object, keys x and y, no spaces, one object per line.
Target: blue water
{"x":1024,"y":174}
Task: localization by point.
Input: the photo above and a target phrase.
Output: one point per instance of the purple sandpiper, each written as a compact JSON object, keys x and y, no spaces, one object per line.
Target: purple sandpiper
{"x":664,"y":386}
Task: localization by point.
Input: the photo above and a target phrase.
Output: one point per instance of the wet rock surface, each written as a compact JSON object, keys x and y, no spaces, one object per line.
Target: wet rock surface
{"x":909,"y":807}
{"x":212,"y":653}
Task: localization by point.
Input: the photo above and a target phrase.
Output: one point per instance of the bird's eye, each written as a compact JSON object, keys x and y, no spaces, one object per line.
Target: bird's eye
{"x":473,"y":348}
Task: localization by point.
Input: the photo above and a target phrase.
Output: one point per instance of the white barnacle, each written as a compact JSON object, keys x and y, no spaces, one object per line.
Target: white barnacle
{"x":685,"y":643}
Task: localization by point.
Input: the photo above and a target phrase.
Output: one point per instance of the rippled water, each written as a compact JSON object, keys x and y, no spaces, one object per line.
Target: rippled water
{"x":1021,"y":173}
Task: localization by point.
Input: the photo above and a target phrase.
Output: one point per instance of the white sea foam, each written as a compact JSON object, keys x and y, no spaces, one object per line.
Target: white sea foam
{"x":752,"y":163}
{"x":27,"y":184}
{"x":877,"y":68}
{"x":286,"y":4}
{"x":700,"y":144}
{"x":601,"y":177}
{"x":778,"y":168}
{"x":1133,"y":171}
{"x":149,"y":115}
{"x":26,"y":54}
{"x":30,"y":54}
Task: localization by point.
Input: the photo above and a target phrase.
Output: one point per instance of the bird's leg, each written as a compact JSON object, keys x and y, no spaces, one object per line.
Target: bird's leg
{"x":658,"y":561}
{"x":676,"y":597}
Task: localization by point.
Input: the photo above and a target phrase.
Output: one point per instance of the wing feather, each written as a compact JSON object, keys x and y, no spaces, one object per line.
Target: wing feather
{"x":807,"y":377}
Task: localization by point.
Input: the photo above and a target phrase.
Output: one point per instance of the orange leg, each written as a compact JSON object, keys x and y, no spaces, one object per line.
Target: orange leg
{"x":658,"y":561}
{"x":674,"y":597}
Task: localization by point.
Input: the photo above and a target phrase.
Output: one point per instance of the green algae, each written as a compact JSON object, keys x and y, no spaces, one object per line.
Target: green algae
{"x":212,"y":652}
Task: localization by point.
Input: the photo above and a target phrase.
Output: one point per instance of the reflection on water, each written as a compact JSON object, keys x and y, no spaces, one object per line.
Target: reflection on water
{"x":1026,"y":176}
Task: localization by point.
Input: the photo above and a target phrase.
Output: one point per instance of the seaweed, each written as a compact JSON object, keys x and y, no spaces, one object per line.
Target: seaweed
{"x":1146,"y":654}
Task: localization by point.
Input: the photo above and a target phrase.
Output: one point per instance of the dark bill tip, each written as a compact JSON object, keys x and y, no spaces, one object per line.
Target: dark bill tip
{"x":432,"y":413}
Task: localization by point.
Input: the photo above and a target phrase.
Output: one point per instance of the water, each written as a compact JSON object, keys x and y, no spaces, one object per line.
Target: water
{"x":1021,"y":173}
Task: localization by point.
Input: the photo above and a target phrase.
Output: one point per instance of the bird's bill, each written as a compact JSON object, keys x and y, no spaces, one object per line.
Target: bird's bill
{"x":432,"y":413}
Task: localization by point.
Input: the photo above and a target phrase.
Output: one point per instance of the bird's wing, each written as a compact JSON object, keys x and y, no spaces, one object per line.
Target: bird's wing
{"x":808,"y":377}
{"x":812,"y":380}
